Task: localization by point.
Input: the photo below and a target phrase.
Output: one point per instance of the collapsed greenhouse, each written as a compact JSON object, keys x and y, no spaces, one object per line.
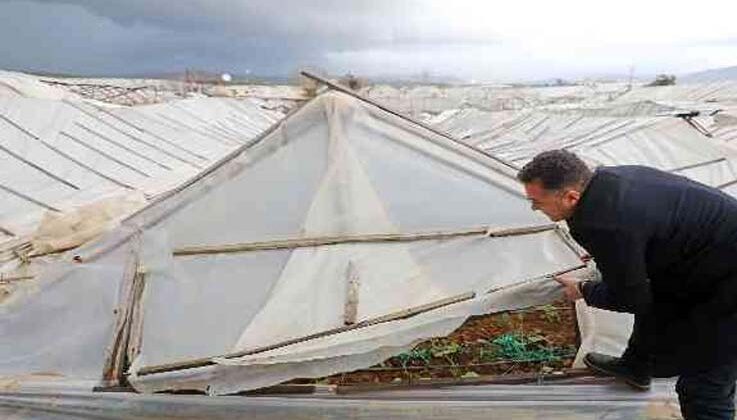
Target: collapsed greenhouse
{"x":210,"y":245}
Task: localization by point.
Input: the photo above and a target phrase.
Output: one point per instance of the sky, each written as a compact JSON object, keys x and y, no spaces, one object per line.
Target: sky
{"x":471,"y":40}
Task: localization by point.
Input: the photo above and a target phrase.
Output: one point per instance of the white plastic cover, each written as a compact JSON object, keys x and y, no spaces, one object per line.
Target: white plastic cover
{"x":338,"y":167}
{"x":60,"y":323}
{"x":56,"y":154}
{"x":601,"y":331}
{"x":549,"y":401}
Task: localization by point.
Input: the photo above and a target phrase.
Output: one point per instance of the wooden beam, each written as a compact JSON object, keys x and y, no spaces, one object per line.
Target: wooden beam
{"x":434,"y":130}
{"x":697,"y":165}
{"x":394,"y":316}
{"x":82,"y":258}
{"x":12,"y":279}
{"x":115,"y":354}
{"x":726,"y":184}
{"x":353,"y":239}
{"x":549,"y":276}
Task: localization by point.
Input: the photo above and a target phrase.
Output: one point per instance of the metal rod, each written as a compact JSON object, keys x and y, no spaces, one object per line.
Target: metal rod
{"x":226,"y":133}
{"x":482,"y":176}
{"x":12,"y":88}
{"x":726,"y":184}
{"x":354,"y":239}
{"x":29,"y":199}
{"x":131,"y":136}
{"x":123,"y":91}
{"x":96,"y":172}
{"x":696,"y":165}
{"x":150,"y":133}
{"x":91,"y":85}
{"x":596,"y":137}
{"x":218,"y":137}
{"x":101,"y":153}
{"x":6,"y":232}
{"x":698,"y":127}
{"x":38,"y":168}
{"x":122,"y":146}
{"x":63,"y":154}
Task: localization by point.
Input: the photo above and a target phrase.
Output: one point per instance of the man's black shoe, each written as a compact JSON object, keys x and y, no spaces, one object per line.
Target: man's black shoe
{"x":615,"y":366}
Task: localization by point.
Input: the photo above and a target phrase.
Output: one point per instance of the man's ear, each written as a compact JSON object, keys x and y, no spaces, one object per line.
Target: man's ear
{"x":572,"y":196}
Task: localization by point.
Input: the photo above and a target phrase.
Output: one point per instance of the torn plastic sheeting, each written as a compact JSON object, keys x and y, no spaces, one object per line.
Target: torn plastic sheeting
{"x":198,"y":307}
{"x":59,"y":232}
{"x":215,"y":290}
{"x":601,"y":331}
{"x":347,"y":352}
{"x":361,"y":340}
{"x":62,"y":321}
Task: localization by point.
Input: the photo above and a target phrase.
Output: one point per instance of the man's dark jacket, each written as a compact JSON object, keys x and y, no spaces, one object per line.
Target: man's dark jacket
{"x":666,"y":247}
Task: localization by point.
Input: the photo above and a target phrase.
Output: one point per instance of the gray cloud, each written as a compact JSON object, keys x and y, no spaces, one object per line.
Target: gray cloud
{"x":125,"y":37}
{"x":140,"y":35}
{"x":318,"y":23}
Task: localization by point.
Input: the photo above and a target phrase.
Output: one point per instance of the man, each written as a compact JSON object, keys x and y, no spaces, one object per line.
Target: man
{"x":666,"y":250}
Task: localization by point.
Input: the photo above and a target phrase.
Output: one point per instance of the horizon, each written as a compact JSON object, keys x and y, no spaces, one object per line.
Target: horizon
{"x":466,"y":40}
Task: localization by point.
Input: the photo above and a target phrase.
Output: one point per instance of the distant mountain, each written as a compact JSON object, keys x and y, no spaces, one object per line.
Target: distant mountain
{"x":712,"y":75}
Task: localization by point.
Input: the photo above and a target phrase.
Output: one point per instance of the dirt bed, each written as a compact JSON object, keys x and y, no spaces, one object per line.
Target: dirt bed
{"x":540,"y":339}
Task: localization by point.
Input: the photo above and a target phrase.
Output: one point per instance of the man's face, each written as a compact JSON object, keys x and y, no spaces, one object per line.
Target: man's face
{"x":556,"y":204}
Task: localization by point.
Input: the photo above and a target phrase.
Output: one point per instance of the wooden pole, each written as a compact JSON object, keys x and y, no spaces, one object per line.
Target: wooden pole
{"x":697,"y":165}
{"x":82,"y":258}
{"x":350,"y":92}
{"x":369,"y":238}
{"x":726,"y":184}
{"x":394,"y":316}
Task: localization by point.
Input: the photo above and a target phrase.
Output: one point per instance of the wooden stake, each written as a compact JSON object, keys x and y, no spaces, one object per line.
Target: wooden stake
{"x":369,"y":238}
{"x":395,"y":316}
{"x":350,"y":92}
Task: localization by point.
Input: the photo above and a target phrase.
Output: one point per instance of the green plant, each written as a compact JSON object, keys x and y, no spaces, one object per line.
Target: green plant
{"x":515,"y":346}
{"x":521,"y":322}
{"x":448,"y":350}
{"x":550,"y":314}
{"x":445,"y":349}
{"x":416,"y":355}
{"x":506,"y":321}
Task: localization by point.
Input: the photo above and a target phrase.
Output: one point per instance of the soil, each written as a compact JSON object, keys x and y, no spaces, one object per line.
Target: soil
{"x":547,"y":333}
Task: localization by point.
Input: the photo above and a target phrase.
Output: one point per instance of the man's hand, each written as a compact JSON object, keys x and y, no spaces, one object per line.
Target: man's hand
{"x":570,"y":282}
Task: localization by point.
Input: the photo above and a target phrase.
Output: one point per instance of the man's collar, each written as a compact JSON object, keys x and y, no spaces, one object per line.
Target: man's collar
{"x":582,"y":199}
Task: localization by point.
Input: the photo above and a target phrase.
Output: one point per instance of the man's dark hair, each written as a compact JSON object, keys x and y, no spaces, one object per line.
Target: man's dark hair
{"x":556,"y":169}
